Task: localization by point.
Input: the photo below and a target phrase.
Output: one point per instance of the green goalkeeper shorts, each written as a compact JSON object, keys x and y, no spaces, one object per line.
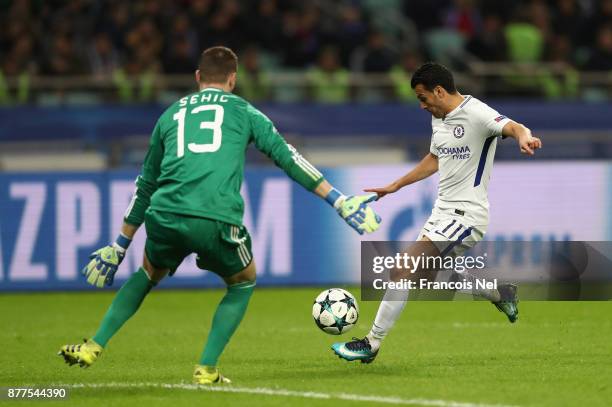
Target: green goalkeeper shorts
{"x":221,"y":248}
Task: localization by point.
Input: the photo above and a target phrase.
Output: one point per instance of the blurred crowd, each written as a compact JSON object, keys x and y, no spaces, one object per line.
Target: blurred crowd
{"x":131,"y":43}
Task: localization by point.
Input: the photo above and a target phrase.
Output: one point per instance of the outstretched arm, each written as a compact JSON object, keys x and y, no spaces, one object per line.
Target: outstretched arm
{"x":353,"y":209}
{"x":527,"y":143}
{"x":427,"y":167}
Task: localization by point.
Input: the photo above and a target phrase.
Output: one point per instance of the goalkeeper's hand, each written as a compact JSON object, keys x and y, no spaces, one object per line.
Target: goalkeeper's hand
{"x":357,"y":213}
{"x":101,"y":269}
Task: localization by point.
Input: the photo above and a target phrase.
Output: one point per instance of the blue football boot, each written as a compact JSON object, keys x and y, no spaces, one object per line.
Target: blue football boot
{"x":508,"y":304}
{"x":357,"y":349}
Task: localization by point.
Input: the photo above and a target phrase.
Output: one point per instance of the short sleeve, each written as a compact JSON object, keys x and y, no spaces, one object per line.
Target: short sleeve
{"x":434,"y":130}
{"x":492,"y":120}
{"x":432,"y":147}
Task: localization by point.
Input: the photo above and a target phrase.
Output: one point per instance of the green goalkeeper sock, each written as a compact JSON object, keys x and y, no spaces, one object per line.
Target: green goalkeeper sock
{"x":126,"y":303}
{"x":227,"y":318}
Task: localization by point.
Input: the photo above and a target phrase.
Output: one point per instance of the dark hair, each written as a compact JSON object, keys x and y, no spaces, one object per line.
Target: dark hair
{"x":431,"y":74}
{"x":216,"y":64}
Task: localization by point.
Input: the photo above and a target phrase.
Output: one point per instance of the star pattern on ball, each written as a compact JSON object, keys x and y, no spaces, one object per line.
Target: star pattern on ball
{"x":350,"y":302}
{"x":331,"y":304}
{"x":325,"y":304}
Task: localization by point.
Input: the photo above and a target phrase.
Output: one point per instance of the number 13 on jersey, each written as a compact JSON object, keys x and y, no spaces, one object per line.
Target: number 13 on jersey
{"x":214,"y":125}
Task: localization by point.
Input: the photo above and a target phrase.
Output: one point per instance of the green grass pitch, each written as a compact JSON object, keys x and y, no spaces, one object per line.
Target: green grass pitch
{"x":461,"y":354}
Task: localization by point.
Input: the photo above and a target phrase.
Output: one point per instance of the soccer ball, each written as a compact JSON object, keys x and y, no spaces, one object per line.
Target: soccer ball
{"x":335,"y":311}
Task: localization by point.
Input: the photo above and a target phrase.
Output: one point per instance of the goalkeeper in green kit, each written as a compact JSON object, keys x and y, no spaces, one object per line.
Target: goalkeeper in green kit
{"x":188,"y":196}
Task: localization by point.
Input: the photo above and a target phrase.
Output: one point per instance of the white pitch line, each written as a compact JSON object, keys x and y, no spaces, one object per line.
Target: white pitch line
{"x":284,"y":392}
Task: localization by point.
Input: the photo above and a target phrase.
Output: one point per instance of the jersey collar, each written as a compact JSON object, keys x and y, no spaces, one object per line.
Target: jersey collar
{"x":466,"y":99}
{"x":213,"y":89}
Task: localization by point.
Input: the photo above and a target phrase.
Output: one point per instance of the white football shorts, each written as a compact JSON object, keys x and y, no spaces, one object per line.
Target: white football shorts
{"x":450,"y":232}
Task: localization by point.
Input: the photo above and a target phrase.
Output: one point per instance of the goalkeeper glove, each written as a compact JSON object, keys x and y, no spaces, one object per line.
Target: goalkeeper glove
{"x":355,"y":210}
{"x":104,"y":262}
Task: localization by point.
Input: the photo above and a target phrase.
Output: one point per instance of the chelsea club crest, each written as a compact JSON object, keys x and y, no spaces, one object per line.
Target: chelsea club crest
{"x":458,"y":131}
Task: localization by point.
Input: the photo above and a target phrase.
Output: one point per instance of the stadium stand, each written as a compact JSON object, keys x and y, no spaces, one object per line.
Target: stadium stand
{"x":81,"y":56}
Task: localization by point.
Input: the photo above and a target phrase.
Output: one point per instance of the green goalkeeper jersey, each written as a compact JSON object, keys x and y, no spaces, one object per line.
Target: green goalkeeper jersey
{"x":195,"y":162}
